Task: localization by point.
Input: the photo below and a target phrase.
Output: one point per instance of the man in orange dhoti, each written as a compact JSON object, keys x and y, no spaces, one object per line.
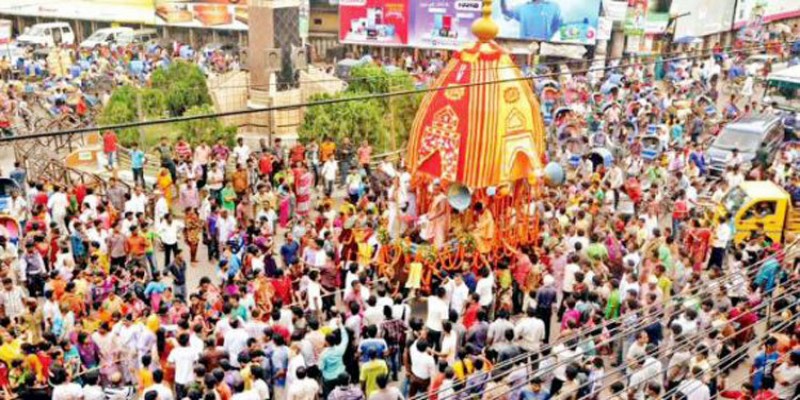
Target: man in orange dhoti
{"x":485,"y":229}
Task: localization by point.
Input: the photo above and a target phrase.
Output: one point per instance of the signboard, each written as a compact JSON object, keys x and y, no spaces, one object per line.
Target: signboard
{"x":5,"y":31}
{"x":615,"y":10}
{"x":636,"y":17}
{"x":705,"y":17}
{"x":222,"y":14}
{"x":657,"y":16}
{"x":374,"y":22}
{"x":766,"y":11}
{"x":558,"y":21}
{"x":443,"y":24}
{"x":604,"y":28}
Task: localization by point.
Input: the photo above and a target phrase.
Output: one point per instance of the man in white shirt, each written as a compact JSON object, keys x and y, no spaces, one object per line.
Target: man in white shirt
{"x":719,"y":245}
{"x":438,"y":312}
{"x":329,"y":170}
{"x":693,"y":388}
{"x":529,"y":331}
{"x":226,"y":224}
{"x":423,"y":367}
{"x":458,"y":298}
{"x":787,"y":377}
{"x":137,"y":202}
{"x":304,"y":388}
{"x":168,"y":231}
{"x":235,"y":341}
{"x":164,"y":392}
{"x":485,"y":288}
{"x":183,"y":358}
{"x":241,"y":151}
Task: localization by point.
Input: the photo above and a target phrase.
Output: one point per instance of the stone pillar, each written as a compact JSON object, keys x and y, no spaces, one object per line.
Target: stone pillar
{"x":274,"y":24}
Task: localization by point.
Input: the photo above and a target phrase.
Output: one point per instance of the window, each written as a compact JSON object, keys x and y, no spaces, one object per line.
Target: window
{"x":760,"y":210}
{"x":317,"y":21}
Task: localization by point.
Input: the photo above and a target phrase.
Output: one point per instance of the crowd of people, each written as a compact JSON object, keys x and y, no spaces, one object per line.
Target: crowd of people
{"x":632,"y":290}
{"x":70,"y":81}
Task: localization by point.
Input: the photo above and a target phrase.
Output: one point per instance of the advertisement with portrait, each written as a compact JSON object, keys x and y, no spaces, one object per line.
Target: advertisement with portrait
{"x":765,"y":11}
{"x":558,"y":21}
{"x":647,"y":17}
{"x":443,"y":24}
{"x":374,"y":22}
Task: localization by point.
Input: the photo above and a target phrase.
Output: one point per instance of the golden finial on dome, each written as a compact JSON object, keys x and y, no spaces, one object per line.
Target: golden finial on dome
{"x":485,"y":29}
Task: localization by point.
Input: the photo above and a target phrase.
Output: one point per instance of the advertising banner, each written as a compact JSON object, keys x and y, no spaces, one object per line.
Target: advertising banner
{"x":222,"y":14}
{"x":704,"y":17}
{"x":374,"y":22}
{"x":558,"y":21}
{"x":604,"y":27}
{"x":765,"y":11}
{"x":647,"y":17}
{"x":443,"y":24}
{"x":636,"y":17}
{"x":5,"y":31}
{"x":615,"y":10}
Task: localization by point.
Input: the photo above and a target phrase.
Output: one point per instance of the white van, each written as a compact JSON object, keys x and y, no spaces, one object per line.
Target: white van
{"x":105,"y":36}
{"x":47,"y":35}
{"x":137,"y":37}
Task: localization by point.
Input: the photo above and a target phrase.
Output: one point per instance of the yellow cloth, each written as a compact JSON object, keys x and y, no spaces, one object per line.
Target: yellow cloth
{"x":484,"y":232}
{"x":10,"y":351}
{"x":152,"y":323}
{"x":414,"y":275}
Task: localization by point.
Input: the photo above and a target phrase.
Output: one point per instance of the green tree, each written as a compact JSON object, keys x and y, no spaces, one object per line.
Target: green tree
{"x":207,"y":130}
{"x":385,"y":122}
{"x":183,"y":85}
{"x":121,"y":109}
{"x":354,"y":119}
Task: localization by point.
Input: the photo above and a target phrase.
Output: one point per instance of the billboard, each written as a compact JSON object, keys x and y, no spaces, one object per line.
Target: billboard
{"x":558,"y":21}
{"x":765,"y":11}
{"x":443,"y":24}
{"x":646,"y":17}
{"x":222,"y":14}
{"x":705,"y":17}
{"x":374,"y":22}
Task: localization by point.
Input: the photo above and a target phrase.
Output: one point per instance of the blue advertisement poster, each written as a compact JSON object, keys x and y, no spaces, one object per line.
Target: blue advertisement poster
{"x":557,"y":21}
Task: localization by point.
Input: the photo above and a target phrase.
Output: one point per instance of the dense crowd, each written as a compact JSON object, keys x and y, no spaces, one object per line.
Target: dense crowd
{"x":633,"y":290}
{"x":70,"y":82}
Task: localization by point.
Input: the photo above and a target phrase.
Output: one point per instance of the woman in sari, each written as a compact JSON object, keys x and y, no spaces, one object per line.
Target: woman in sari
{"x":192,"y":232}
{"x":285,"y":206}
{"x":303,"y":184}
{"x":164,"y":182}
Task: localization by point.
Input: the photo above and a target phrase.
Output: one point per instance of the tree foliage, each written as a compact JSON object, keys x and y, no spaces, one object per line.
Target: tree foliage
{"x":205,"y":130}
{"x":354,"y":119}
{"x":385,"y":122}
{"x":177,"y":90}
{"x":184,"y":86}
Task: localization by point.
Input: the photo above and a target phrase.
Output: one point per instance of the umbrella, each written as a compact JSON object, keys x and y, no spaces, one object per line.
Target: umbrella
{"x":688,"y":40}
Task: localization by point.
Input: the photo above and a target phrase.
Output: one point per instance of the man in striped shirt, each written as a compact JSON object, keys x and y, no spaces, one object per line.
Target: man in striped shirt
{"x":12,"y":299}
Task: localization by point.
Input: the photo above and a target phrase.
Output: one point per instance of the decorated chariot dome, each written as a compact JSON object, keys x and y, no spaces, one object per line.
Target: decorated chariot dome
{"x":482,"y":126}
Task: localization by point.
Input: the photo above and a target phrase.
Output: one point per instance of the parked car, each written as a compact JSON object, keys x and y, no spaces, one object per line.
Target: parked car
{"x":105,"y":36}
{"x":47,"y":35}
{"x":746,"y":136}
{"x":139,"y":36}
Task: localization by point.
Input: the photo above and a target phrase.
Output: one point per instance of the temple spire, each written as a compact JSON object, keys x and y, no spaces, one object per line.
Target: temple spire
{"x":485,"y":29}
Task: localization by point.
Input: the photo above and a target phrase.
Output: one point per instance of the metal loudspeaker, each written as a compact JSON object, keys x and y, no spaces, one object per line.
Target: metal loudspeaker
{"x":459,"y":196}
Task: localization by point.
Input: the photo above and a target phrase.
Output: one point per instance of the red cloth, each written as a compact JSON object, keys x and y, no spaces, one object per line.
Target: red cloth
{"x":109,"y":142}
{"x":265,"y":164}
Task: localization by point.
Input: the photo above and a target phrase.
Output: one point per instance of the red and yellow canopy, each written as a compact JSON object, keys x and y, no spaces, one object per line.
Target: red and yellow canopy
{"x":483,"y":127}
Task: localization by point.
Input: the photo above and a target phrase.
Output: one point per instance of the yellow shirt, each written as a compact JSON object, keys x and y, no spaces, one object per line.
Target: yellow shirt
{"x":145,"y":377}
